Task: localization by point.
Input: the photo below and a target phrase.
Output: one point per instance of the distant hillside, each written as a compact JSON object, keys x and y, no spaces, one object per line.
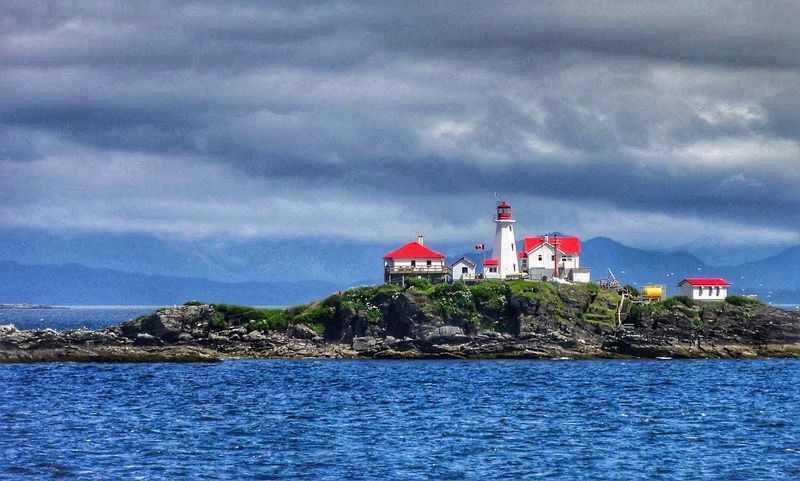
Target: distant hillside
{"x":338,"y":266}
{"x":779,"y":272}
{"x":72,"y":284}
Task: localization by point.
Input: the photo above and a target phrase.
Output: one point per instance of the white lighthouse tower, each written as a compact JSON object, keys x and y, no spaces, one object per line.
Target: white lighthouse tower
{"x":505,"y":249}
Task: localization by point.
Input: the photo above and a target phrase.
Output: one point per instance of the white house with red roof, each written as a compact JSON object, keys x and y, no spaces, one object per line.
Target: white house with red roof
{"x":704,"y":288}
{"x":490,"y":269}
{"x":414,"y":260}
{"x":553,"y":255}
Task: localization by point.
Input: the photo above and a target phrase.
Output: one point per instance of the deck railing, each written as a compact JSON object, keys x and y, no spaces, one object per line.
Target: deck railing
{"x":418,"y":270}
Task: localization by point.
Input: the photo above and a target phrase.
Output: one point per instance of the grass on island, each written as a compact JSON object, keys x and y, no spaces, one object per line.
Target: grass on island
{"x":456,"y":300}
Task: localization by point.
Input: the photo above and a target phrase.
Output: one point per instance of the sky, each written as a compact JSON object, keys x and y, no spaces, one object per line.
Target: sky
{"x":658,"y":124}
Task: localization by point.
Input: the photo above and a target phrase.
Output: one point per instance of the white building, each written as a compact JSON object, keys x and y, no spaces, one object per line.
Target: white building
{"x":504,"y":250}
{"x":463,"y":270}
{"x":414,"y":260}
{"x":704,"y":288}
{"x":547,"y":256}
{"x":490,"y":269}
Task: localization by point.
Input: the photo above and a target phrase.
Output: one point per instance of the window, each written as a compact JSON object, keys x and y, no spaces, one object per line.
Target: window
{"x":540,"y":257}
{"x":515,"y":267}
{"x":699,"y":291}
{"x":413,"y":263}
{"x":717,"y":291}
{"x":512,"y":246}
{"x":465,"y":270}
{"x":493,"y":269}
{"x":553,"y":257}
{"x":429,"y":263}
{"x":709,"y":290}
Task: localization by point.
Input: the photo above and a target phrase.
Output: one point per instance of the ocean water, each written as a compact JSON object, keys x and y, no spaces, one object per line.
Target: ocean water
{"x":72,"y":317}
{"x":404,"y":420}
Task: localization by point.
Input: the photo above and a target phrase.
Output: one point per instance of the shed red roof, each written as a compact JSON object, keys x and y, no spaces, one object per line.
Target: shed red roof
{"x":705,"y":281}
{"x":566,"y":244}
{"x":413,"y":250}
{"x":491,"y":262}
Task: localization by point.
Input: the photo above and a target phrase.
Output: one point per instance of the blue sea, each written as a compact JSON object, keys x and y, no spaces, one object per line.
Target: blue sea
{"x":404,"y":420}
{"x":72,"y":317}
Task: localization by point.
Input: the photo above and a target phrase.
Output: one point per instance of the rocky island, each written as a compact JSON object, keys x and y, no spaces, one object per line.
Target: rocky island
{"x":511,"y":319}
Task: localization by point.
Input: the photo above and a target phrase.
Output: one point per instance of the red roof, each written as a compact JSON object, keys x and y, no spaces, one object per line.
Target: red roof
{"x":705,"y":281}
{"x":491,"y":262}
{"x":503,"y":205}
{"x":521,"y":254}
{"x":413,"y":250}
{"x":566,"y":244}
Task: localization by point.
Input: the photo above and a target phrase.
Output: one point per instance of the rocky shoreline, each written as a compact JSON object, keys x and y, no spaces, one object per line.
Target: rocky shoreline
{"x":559,"y":322}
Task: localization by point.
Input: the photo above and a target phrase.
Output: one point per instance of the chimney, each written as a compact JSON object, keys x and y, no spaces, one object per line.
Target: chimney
{"x":421,"y":240}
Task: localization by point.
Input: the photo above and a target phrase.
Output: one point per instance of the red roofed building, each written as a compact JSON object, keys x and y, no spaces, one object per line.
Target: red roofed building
{"x":548,"y":256}
{"x":704,"y":288}
{"x":490,"y":269}
{"x":414,"y":260}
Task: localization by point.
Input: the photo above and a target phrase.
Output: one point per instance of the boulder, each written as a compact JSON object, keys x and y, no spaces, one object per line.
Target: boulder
{"x":7,"y":329}
{"x":302,"y":331}
{"x":169,"y":323}
{"x":256,"y":336}
{"x":144,"y":339}
{"x":361,"y":344}
{"x":446,"y":331}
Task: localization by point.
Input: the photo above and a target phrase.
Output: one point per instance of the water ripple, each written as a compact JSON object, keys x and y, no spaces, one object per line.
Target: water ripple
{"x":605,"y":420}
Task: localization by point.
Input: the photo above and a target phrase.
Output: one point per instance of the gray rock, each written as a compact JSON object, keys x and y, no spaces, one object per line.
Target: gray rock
{"x":302,"y":331}
{"x":144,"y":339}
{"x":366,"y":343}
{"x":185,"y":337}
{"x":445,"y":331}
{"x":8,"y":328}
{"x":256,"y":336}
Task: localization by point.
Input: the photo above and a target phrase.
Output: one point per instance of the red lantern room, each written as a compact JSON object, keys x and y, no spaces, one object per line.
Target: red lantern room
{"x":503,"y":211}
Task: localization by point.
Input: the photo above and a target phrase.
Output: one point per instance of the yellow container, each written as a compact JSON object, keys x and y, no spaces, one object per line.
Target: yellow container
{"x":653,"y":292}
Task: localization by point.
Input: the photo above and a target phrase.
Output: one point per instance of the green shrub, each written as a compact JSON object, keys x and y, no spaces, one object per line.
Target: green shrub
{"x":632,"y":291}
{"x":318,"y":328}
{"x":454,"y":300}
{"x":674,"y":301}
{"x":194,"y":303}
{"x":362,"y":301}
{"x":315,"y":314}
{"x":217,"y":321}
{"x":418,"y":283}
{"x":490,"y":294}
{"x":741,"y":301}
{"x":268,"y":319}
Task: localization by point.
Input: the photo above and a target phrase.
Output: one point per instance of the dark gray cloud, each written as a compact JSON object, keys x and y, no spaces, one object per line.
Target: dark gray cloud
{"x":686,"y":110}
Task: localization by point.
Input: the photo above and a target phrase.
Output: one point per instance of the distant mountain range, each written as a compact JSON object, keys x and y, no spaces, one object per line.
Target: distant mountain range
{"x":72,"y":284}
{"x":779,"y":273}
{"x":43,"y":270}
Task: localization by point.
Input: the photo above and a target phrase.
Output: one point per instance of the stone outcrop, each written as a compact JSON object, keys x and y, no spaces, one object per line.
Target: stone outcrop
{"x":541,"y":321}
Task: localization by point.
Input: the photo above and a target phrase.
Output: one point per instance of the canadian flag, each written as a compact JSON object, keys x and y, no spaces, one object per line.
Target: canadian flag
{"x":480,"y":247}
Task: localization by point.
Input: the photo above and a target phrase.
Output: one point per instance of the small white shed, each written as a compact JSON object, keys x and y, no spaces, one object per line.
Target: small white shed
{"x":704,"y":288}
{"x":463,"y":270}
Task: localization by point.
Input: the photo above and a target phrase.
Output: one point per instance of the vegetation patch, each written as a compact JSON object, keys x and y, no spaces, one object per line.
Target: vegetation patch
{"x":742,"y":301}
{"x":492,"y":294}
{"x":454,"y":300}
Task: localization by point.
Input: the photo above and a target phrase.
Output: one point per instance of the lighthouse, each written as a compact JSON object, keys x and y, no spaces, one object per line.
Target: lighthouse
{"x":505,"y":249}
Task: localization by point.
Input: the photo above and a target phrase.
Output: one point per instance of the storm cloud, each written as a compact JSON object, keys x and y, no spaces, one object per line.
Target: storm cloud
{"x":650,"y":122}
